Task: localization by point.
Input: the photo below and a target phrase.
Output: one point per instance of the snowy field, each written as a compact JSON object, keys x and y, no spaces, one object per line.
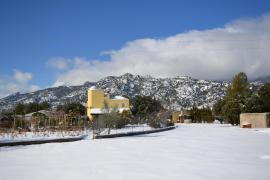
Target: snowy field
{"x":39,"y":136}
{"x":47,"y":135}
{"x":128,"y":128}
{"x":190,"y":152}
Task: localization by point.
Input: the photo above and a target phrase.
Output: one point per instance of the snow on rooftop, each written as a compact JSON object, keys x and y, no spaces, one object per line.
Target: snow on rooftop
{"x":93,"y":88}
{"x":102,"y":111}
{"x":119,"y":97}
{"x":190,"y":152}
{"x":97,"y":111}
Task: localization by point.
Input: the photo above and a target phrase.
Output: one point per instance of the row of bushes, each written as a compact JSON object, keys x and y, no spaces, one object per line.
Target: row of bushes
{"x":115,"y":120}
{"x":144,"y":110}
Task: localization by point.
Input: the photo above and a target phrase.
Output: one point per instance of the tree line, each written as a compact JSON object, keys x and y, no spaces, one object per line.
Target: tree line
{"x":144,"y":110}
{"x":242,"y":97}
{"x":22,"y":109}
{"x":199,"y":115}
{"x":65,"y":116}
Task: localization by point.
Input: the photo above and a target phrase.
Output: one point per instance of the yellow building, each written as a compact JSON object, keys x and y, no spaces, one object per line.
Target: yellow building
{"x":97,"y":101}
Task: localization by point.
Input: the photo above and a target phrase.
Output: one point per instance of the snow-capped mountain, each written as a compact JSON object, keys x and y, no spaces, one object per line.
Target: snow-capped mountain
{"x":178,"y":92}
{"x":263,"y":79}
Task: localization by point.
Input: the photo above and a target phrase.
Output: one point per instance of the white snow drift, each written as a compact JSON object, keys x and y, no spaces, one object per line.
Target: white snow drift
{"x":194,"y":152}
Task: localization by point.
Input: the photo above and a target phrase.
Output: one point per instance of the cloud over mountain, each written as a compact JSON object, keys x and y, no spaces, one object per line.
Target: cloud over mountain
{"x":219,"y":53}
{"x":58,"y":63}
{"x":19,"y":82}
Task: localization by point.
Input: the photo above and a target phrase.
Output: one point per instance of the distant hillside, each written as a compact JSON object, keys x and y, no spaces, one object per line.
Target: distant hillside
{"x":174,"y":92}
{"x":263,"y":79}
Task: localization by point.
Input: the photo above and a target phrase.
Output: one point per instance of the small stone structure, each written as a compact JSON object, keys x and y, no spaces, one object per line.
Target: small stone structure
{"x":175,"y":116}
{"x":255,"y":120}
{"x":182,"y":116}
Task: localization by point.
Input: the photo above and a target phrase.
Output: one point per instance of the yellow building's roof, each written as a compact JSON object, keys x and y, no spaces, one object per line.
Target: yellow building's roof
{"x":93,"y":88}
{"x":118,"y":97}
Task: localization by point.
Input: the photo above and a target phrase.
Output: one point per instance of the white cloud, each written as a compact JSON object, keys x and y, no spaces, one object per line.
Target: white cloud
{"x":59,"y":63}
{"x":219,"y":53}
{"x":22,"y":77}
{"x":19,"y":82}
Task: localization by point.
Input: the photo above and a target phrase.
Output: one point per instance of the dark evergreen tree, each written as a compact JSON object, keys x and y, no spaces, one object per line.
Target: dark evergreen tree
{"x":31,"y":107}
{"x":20,"y":109}
{"x":201,"y":115}
{"x":217,"y":108}
{"x":239,"y":86}
{"x":264,"y":96}
{"x":236,"y":100}
{"x":141,"y":106}
{"x":231,"y":111}
{"x":195,"y":115}
{"x":75,"y":108}
{"x":252,"y":104}
{"x":44,"y":105}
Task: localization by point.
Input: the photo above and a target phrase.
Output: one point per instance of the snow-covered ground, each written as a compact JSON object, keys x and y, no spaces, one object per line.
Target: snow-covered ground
{"x":128,"y":128}
{"x":47,"y":135}
{"x":191,"y":151}
{"x":39,"y":136}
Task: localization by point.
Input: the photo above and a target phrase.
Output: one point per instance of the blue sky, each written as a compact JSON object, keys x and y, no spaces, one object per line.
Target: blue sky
{"x":34,"y":32}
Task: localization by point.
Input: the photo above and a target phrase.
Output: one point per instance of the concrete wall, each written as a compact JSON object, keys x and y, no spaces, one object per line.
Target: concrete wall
{"x":181,"y":116}
{"x":184,"y":115}
{"x":175,"y":116}
{"x":257,"y":120}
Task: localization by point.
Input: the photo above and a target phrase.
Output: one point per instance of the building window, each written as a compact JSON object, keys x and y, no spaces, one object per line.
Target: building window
{"x":123,"y":105}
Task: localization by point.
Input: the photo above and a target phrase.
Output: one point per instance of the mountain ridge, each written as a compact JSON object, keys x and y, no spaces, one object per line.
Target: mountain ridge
{"x":175,"y":93}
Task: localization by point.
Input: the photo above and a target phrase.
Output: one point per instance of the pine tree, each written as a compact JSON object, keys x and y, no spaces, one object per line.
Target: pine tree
{"x":20,"y":109}
{"x":264,"y":96}
{"x":239,"y":86}
{"x":231,"y":110}
{"x":141,"y":106}
{"x":235,"y":100}
{"x":252,"y":104}
{"x":217,"y":108}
